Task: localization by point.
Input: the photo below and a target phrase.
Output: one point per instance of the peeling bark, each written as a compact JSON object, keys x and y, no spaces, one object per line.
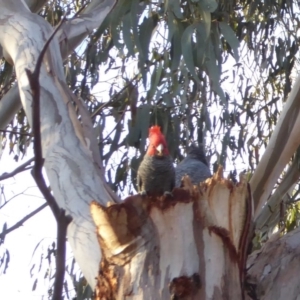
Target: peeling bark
{"x":190,"y":246}
{"x":273,"y":271}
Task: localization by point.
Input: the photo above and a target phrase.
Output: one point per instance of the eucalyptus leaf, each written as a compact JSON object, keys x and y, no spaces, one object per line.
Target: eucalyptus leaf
{"x":208,"y":5}
{"x":133,"y":134}
{"x":216,"y":42}
{"x":120,"y":9}
{"x":171,"y":21}
{"x":127,"y":34}
{"x":168,"y":100}
{"x":143,"y":122}
{"x":116,"y":36}
{"x":231,"y":38}
{"x":207,"y":22}
{"x":155,"y":79}
{"x":146,"y":29}
{"x":174,"y":6}
{"x":135,"y":24}
{"x":214,"y":72}
{"x":176,"y":122}
{"x":187,"y":49}
{"x":202,"y":36}
{"x":134,"y":164}
{"x":176,"y":49}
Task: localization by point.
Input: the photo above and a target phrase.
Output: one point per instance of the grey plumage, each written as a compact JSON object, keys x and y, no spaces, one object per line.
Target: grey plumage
{"x":194,"y":164}
{"x":156,"y":175}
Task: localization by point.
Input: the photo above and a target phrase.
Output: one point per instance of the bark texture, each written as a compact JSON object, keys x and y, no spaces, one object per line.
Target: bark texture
{"x":273,"y":271}
{"x":191,"y":246}
{"x":282,"y":145}
{"x":69,"y":147}
{"x":70,"y":35}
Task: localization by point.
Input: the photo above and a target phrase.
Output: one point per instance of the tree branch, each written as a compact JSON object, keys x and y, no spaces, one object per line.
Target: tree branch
{"x":15,"y":132}
{"x":21,"y":222}
{"x":270,"y":212}
{"x":117,"y":124}
{"x":95,"y":113}
{"x":19,"y":169}
{"x":62,"y":219}
{"x":285,"y":140}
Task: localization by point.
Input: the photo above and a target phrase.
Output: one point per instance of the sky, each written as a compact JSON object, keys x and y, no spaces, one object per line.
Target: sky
{"x":25,"y":255}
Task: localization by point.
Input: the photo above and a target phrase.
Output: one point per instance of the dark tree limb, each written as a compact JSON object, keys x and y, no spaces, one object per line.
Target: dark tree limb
{"x":19,"y":169}
{"x":21,"y":222}
{"x":62,"y":219}
{"x":115,"y":127}
{"x":98,"y":110}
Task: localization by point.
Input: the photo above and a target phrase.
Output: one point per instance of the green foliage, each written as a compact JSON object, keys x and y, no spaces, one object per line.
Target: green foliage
{"x":213,"y":69}
{"x":292,"y":217}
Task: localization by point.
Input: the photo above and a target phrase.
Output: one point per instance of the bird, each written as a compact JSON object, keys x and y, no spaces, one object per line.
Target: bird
{"x":194,"y":165}
{"x":156,"y":173}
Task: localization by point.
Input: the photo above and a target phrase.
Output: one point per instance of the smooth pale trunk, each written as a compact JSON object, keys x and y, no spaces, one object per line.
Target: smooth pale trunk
{"x":70,"y":35}
{"x":70,"y":150}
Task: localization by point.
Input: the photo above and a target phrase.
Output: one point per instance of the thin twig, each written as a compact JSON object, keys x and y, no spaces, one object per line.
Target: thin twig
{"x":112,"y":99}
{"x":14,"y":196}
{"x":62,"y":219}
{"x":21,"y":222}
{"x":87,"y":64}
{"x":19,"y":169}
{"x":118,"y":122}
{"x":15,"y":132}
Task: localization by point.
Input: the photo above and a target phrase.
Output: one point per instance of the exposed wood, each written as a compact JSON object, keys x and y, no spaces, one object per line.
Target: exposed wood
{"x":191,"y":246}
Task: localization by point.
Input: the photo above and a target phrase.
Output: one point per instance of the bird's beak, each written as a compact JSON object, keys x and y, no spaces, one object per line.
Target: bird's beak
{"x":160,"y":149}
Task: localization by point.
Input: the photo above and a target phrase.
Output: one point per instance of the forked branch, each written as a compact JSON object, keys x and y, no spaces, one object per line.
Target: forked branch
{"x":62,"y":219}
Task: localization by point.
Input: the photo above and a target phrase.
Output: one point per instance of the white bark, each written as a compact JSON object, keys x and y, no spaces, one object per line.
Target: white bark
{"x":269,"y":215}
{"x":71,"y":155}
{"x":282,"y":145}
{"x":70,"y":35}
{"x":191,"y":246}
{"x":10,"y":102}
{"x":273,"y":271}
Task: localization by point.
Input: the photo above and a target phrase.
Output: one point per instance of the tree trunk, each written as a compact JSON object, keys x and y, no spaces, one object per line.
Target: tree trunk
{"x":72,"y":160}
{"x":273,"y":271}
{"x":70,"y":35}
{"x":190,"y":246}
{"x":283,"y":144}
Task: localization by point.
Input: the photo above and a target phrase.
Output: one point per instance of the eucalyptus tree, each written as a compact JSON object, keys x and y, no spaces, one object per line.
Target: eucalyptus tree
{"x":213,"y":72}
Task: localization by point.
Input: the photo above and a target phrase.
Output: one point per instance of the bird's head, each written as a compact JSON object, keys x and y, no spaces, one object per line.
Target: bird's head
{"x":197,"y":152}
{"x":157,"y":143}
